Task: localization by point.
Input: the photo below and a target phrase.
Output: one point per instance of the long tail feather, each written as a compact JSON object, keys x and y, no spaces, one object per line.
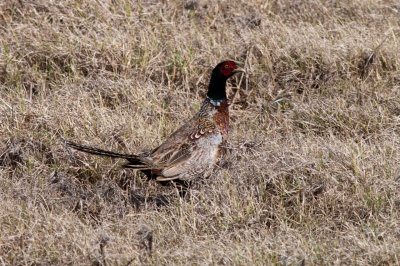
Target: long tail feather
{"x":142,"y":163}
{"x":137,"y":165}
{"x":96,"y":151}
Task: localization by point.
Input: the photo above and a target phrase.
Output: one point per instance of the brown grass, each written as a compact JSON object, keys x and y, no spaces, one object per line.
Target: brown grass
{"x":313,"y":173}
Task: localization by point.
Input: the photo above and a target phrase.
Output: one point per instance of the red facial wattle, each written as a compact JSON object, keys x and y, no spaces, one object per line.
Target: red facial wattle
{"x":227,"y":68}
{"x":226,"y":72}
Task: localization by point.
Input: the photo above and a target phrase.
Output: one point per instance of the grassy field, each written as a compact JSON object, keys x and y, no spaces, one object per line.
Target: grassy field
{"x":313,"y":173}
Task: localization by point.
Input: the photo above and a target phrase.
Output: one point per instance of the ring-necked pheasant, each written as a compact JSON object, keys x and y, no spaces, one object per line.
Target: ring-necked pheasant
{"x":195,"y":148}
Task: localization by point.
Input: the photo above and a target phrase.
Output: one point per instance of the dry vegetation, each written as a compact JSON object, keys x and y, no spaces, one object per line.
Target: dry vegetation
{"x":312,"y":177}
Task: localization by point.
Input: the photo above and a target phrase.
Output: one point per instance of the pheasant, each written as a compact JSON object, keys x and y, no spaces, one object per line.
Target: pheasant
{"x":196,"y":147}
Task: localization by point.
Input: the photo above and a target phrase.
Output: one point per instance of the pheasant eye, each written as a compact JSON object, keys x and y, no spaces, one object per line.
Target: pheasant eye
{"x":226,"y":66}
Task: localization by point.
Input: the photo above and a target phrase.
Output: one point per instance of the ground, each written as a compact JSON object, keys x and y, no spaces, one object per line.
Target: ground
{"x":312,"y":174}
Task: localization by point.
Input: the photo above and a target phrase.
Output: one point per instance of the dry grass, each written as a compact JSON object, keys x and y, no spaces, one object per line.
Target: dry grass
{"x":312,"y":177}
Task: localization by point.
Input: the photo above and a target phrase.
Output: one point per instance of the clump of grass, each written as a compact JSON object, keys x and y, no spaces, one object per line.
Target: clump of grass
{"x":312,"y":171}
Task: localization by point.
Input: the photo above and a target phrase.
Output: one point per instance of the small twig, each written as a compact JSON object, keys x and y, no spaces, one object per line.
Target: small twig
{"x":280,"y":100}
{"x":103,"y":242}
{"x":146,"y":239}
{"x":129,"y":262}
{"x":372,"y":56}
{"x":7,"y":104}
{"x":242,"y":76}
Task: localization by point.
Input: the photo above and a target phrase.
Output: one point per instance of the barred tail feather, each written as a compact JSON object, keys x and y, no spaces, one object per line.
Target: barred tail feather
{"x":138,"y":165}
{"x":101,"y":152}
{"x":142,"y":163}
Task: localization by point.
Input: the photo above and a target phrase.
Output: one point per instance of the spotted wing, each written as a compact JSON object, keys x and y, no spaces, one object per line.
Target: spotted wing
{"x":204,"y":128}
{"x":177,"y":155}
{"x":176,"y":163}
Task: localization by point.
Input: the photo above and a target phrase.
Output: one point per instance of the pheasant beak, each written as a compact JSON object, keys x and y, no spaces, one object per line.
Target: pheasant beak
{"x":238,"y":70}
